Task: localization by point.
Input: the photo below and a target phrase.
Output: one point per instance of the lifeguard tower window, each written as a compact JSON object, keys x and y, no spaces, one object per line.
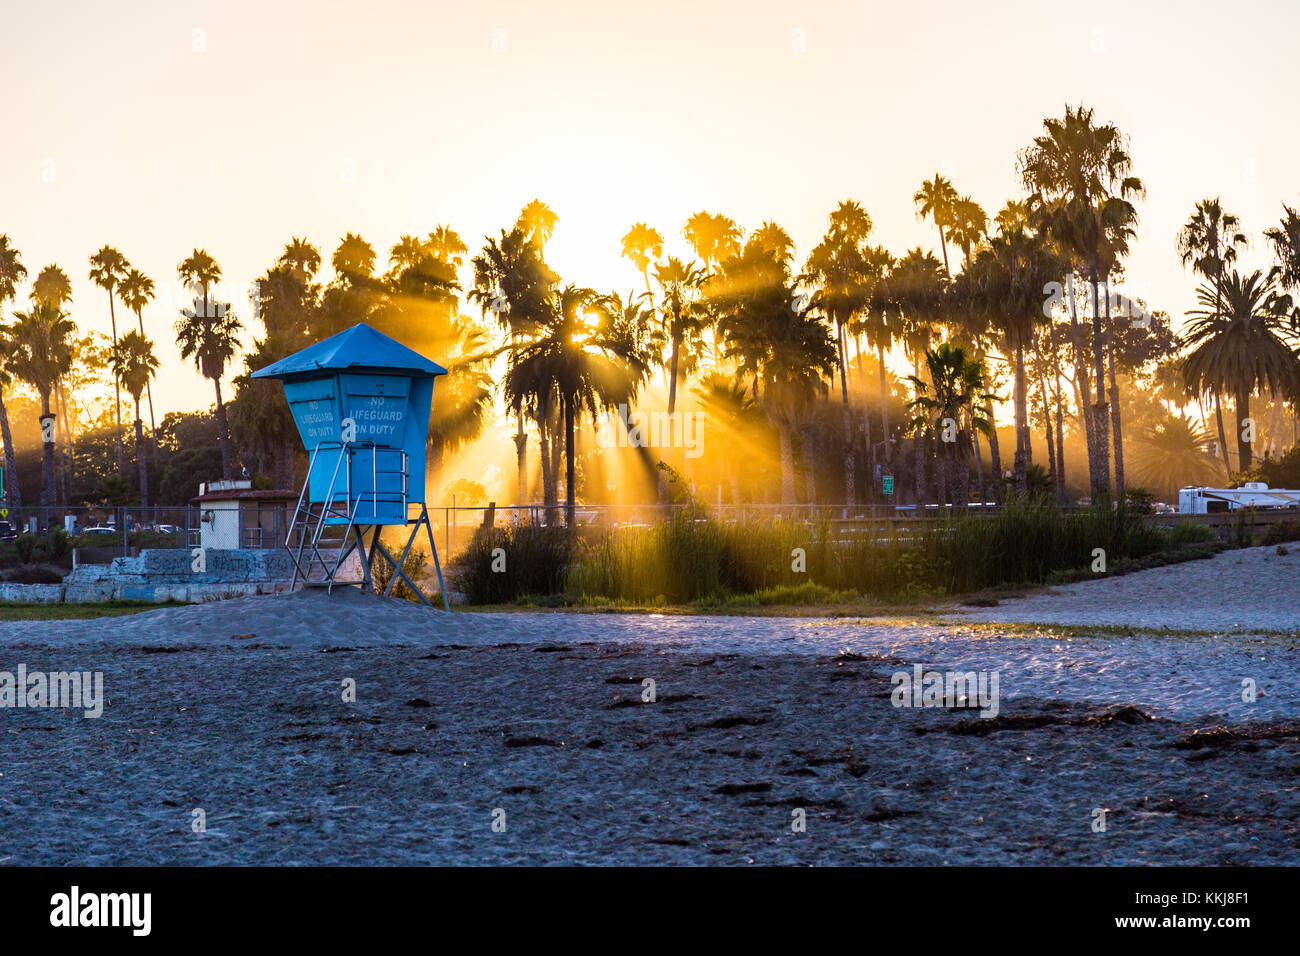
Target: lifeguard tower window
{"x":361,"y":403}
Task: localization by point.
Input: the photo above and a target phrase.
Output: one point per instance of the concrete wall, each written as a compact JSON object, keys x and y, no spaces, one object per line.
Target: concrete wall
{"x":165,"y":575}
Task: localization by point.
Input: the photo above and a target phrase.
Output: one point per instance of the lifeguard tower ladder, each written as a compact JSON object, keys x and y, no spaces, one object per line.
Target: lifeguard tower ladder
{"x":361,"y":403}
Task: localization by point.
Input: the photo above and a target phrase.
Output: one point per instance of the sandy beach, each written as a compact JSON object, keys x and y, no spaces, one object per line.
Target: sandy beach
{"x":538,"y":720}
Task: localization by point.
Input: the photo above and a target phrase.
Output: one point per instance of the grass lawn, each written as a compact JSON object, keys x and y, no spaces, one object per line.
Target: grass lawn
{"x":69,"y":612}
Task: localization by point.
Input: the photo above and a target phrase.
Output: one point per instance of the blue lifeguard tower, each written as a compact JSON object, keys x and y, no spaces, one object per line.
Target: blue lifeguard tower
{"x":361,"y":403}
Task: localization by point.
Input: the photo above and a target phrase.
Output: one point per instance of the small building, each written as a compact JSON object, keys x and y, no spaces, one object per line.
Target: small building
{"x":233,"y":514}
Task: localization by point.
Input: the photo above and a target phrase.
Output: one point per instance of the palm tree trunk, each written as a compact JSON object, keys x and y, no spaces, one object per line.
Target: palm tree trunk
{"x":1244,"y":459}
{"x":223,"y":433}
{"x":884,"y":404}
{"x":1082,"y":383}
{"x":117,"y":390}
{"x":556,"y":431}
{"x":544,"y":456}
{"x":850,"y":474}
{"x":65,"y":421}
{"x":141,"y":461}
{"x":918,"y":464}
{"x":148,"y":388}
{"x":1020,"y":467}
{"x":672,"y":373}
{"x":942,"y":474}
{"x":1223,"y":438}
{"x":1116,"y":425}
{"x":48,"y":492}
{"x":1099,"y":467}
{"x":569,"y":489}
{"x":13,"y":496}
{"x":1047,"y":414}
{"x":943,"y":244}
{"x":521,"y":455}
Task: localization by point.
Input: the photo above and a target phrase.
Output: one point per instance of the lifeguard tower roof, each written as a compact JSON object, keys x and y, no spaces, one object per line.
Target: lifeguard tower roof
{"x":358,"y":349}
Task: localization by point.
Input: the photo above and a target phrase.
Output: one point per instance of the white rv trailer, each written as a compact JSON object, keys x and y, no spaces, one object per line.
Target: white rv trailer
{"x":1201,"y":501}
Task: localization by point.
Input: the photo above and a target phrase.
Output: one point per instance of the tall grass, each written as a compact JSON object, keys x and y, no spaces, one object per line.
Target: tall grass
{"x":692,"y":558}
{"x":1027,"y":541}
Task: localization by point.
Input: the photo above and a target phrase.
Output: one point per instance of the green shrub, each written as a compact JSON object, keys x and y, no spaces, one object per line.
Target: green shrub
{"x":1187,"y":532}
{"x":1280,"y":532}
{"x":382,"y":572}
{"x":536,"y":559}
{"x":60,"y":545}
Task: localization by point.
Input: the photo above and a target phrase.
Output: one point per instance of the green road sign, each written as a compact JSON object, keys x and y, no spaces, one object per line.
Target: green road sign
{"x":888,"y":482}
{"x":2,"y":479}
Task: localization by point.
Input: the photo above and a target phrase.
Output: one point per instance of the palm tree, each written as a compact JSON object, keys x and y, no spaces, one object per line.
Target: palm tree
{"x":1209,"y":242}
{"x":776,"y":337}
{"x":354,"y":259}
{"x":12,"y":272}
{"x":513,"y":283}
{"x":302,"y":258}
{"x":1171,"y":455}
{"x":446,"y":245}
{"x":1080,"y":177}
{"x":136,"y":291}
{"x":969,"y":225}
{"x":936,"y":199}
{"x":134,"y":363}
{"x":799,"y":367}
{"x":880,"y":322}
{"x":52,"y":285}
{"x":405,"y":254}
{"x":995,"y":285}
{"x":917,"y":288}
{"x":683,"y":320}
{"x":537,"y":221}
{"x":107,"y":268}
{"x":576,"y":356}
{"x":714,"y":237}
{"x":838,"y":269}
{"x":1241,"y":341}
{"x":642,"y":245}
{"x":953,"y":406}
{"x":42,"y":353}
{"x":208,"y":333}
{"x":1285,"y":237}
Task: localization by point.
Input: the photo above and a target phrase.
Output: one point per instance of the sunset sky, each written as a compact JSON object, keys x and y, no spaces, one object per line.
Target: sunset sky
{"x":161,"y":126}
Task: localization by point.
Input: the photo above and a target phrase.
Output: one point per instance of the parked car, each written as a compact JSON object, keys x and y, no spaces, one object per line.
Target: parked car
{"x":7,"y":531}
{"x":168,"y":529}
{"x":100,"y":529}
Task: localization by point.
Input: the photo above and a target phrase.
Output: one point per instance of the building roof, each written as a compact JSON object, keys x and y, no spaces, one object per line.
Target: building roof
{"x":247,"y":494}
{"x":358,"y":349}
